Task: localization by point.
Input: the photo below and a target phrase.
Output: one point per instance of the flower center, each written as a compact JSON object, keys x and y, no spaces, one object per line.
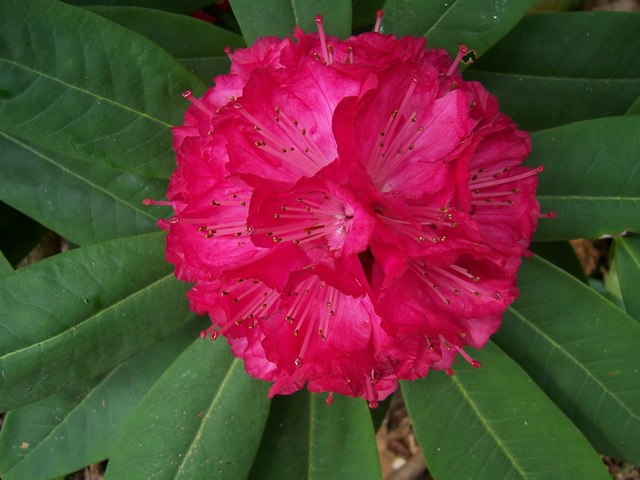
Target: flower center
{"x":311,"y":217}
{"x":426,"y":224}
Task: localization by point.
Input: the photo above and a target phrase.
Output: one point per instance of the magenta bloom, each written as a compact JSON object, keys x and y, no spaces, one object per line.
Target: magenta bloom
{"x":351,"y":212}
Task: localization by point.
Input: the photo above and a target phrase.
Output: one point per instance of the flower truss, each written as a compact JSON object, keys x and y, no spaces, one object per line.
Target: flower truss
{"x":352,"y":212}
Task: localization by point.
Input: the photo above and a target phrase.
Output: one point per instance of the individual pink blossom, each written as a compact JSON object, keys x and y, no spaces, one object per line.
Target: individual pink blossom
{"x":352,"y":212}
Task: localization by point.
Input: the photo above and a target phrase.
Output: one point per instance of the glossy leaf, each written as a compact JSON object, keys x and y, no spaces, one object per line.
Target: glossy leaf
{"x":590,"y":178}
{"x":77,"y":315}
{"x":494,"y":422}
{"x":182,"y":6}
{"x":627,"y":266}
{"x":198,"y":45}
{"x":583,"y":352}
{"x":634,"y":109}
{"x":305,"y":438}
{"x":559,"y":69}
{"x":80,"y":425}
{"x":279,"y":17}
{"x":478,"y":24}
{"x":84,"y":203}
{"x":202,"y":419}
{"x":99,"y":92}
{"x":5,"y":266}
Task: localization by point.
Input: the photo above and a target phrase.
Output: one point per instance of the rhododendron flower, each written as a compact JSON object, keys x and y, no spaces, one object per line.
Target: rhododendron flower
{"x":351,"y":212}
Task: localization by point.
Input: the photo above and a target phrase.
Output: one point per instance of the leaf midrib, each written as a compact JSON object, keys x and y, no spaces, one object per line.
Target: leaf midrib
{"x":89,"y":93}
{"x":79,"y":177}
{"x":532,"y":76}
{"x":574,"y":360}
{"x":488,"y":427}
{"x":59,"y":424}
{"x":437,"y":22}
{"x":630,"y":251}
{"x":216,"y":399}
{"x":88,"y":319}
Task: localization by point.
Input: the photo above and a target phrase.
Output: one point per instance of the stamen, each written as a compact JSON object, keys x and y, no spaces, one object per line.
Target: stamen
{"x":301,"y":154}
{"x":323,"y":40}
{"x":388,"y":153}
{"x":159,"y":203}
{"x":465,"y":355}
{"x":227,"y":51}
{"x":313,"y":311}
{"x":378,"y":24}
{"x":478,"y":184}
{"x":462,"y":51}
{"x":300,"y":225}
{"x":197,"y":102}
{"x":550,"y":214}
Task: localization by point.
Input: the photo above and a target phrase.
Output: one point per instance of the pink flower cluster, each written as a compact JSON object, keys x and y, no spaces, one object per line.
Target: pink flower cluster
{"x":352,"y":212}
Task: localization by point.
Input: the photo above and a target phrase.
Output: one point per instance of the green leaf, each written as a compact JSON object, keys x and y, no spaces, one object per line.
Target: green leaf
{"x":80,"y":425}
{"x":5,"y":266}
{"x":278,"y":17}
{"x":19,"y":234}
{"x":182,"y":6}
{"x":583,"y":352}
{"x":202,"y":419}
{"x":627,"y":266}
{"x":634,"y":109}
{"x":305,"y":438}
{"x":590,"y":178}
{"x":544,"y":72}
{"x":84,"y":203}
{"x":478,"y":24}
{"x":77,"y":315}
{"x":198,"y":45}
{"x":74,"y":82}
{"x":495,"y":423}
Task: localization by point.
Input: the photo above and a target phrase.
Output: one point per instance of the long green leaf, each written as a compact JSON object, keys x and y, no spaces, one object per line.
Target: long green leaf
{"x":79,"y":84}
{"x":80,"y":425}
{"x":84,"y":203}
{"x":75,"y":316}
{"x":198,"y":45}
{"x":582,"y":350}
{"x":5,"y":266}
{"x":590,"y":178}
{"x":627,"y":267}
{"x":305,"y":438}
{"x":202,"y":419}
{"x":476,"y":23}
{"x":279,"y":17}
{"x":559,"y":70}
{"x":182,"y":6}
{"x":495,"y":423}
{"x":634,"y":109}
